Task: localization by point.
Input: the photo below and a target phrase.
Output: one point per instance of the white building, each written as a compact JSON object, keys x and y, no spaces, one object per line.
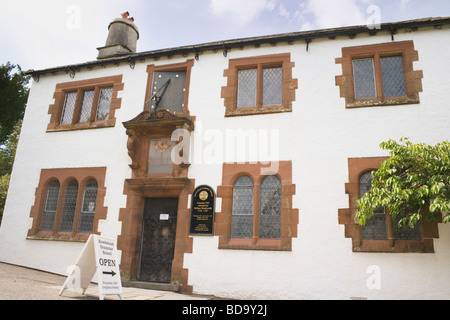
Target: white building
{"x":282,"y":128}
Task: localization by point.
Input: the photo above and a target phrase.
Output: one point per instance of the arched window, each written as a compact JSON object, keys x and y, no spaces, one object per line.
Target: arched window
{"x":378,"y":227}
{"x":69,"y":210}
{"x":69,"y":204}
{"x":270,"y":208}
{"x":380,"y":233}
{"x":242,"y":215}
{"x":257,"y":212}
{"x":51,"y":202}
{"x":375,"y":228}
{"x":88,"y":206}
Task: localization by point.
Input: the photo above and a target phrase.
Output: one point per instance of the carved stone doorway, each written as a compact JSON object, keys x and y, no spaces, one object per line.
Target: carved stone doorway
{"x":159,"y":229}
{"x":142,"y":131}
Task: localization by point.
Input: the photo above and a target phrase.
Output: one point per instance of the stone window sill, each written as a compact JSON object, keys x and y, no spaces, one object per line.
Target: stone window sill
{"x":248,"y":111}
{"x":83,"y":126}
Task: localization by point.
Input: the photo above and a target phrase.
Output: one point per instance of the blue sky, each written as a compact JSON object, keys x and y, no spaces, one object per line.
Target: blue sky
{"x":47,"y":33}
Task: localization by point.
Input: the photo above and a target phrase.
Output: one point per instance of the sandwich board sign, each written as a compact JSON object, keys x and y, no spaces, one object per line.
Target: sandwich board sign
{"x":98,"y":255}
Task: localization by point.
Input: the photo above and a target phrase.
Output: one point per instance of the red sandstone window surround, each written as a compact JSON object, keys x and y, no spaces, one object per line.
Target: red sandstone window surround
{"x":68,"y":204}
{"x":85,"y":104}
{"x":246,"y":220}
{"x":379,"y":235}
{"x":259,"y":85}
{"x":379,"y":75}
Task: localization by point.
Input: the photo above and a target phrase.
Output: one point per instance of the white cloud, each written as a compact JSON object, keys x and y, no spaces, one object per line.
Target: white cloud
{"x":331,"y":13}
{"x":404,"y":3}
{"x":243,"y":12}
{"x":284,"y":12}
{"x":43,"y":38}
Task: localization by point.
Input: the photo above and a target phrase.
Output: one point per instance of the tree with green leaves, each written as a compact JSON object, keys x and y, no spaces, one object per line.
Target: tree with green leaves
{"x":414,"y":180}
{"x":13,"y":97}
{"x":8,"y":151}
{"x":4,"y":183}
{"x":7,"y":155}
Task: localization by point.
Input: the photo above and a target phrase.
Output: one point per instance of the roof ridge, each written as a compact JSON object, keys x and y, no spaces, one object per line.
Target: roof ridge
{"x":308,"y":36}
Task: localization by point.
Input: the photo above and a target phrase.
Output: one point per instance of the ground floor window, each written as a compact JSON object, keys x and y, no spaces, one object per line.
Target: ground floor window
{"x":381,"y":226}
{"x":379,"y":234}
{"x":68,"y":204}
{"x":257,"y":208}
{"x":268,"y":216}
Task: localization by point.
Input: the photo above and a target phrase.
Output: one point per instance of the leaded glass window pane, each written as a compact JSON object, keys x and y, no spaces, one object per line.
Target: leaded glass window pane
{"x":88,"y":207}
{"x":86,"y":107}
{"x":406,"y":233}
{"x":104,"y":104}
{"x":272,"y":86}
{"x":393,"y":76}
{"x":246,"y":95}
{"x":242,"y":215}
{"x":364,"y":78}
{"x":69,"y":204}
{"x":375,"y":227}
{"x":365,"y":183}
{"x":69,"y":107}
{"x":270,"y":208}
{"x":160,"y":156}
{"x":51,"y":202}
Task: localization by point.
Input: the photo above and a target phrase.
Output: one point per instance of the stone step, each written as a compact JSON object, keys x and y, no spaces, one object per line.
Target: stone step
{"x":152,"y":285}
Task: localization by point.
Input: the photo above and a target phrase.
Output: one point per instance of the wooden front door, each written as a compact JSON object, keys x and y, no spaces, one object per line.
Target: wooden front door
{"x":158,"y":239}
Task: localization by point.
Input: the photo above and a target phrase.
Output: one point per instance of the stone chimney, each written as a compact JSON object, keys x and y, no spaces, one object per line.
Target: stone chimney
{"x":122,"y":38}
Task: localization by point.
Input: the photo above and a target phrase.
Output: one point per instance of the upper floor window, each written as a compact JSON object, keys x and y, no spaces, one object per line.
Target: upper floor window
{"x":380,"y":74}
{"x":391,"y":72}
{"x":95,"y":106}
{"x":269,"y":94}
{"x":259,"y":85}
{"x":85,"y":104}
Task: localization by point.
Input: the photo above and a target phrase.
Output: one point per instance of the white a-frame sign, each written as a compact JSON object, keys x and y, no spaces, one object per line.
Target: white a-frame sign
{"x":99,"y":254}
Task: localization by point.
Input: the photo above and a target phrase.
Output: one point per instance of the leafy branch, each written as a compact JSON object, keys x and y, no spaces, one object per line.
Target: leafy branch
{"x":414,"y":178}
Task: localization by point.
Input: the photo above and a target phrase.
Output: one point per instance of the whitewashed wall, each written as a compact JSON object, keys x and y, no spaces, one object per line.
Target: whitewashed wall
{"x":318,"y":136}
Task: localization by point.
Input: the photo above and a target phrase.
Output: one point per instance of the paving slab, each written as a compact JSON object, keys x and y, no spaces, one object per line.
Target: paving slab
{"x":21,"y":283}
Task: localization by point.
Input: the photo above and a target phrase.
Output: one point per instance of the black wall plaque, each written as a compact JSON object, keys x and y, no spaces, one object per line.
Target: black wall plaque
{"x":202,"y":211}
